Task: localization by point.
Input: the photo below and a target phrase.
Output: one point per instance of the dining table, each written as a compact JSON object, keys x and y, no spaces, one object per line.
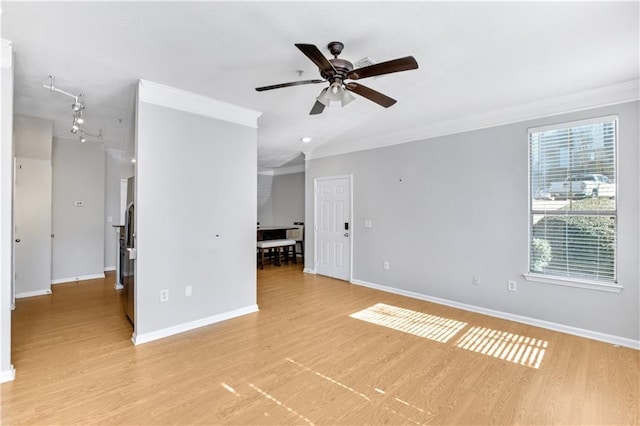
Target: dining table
{"x":273,"y":232}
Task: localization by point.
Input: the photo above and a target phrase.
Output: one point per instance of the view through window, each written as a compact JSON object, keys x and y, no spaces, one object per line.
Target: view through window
{"x":573,"y":200}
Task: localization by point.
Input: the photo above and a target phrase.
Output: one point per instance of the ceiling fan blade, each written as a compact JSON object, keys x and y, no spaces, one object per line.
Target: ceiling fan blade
{"x":370,"y":94}
{"x":313,"y":53}
{"x":395,"y":65}
{"x":318,"y":107}
{"x":293,"y":83}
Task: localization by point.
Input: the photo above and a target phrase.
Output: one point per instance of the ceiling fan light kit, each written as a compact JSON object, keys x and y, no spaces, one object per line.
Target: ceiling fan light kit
{"x":336,"y":70}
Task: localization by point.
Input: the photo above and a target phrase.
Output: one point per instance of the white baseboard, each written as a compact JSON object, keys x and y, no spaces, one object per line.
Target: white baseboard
{"x":309,"y":271}
{"x":8,"y":375}
{"x":139,"y":339}
{"x":24,"y":294}
{"x":74,"y":279}
{"x":109,"y":268}
{"x":589,"y":334}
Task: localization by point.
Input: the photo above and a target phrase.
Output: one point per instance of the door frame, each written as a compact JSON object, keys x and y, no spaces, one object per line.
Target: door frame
{"x":315,"y":220}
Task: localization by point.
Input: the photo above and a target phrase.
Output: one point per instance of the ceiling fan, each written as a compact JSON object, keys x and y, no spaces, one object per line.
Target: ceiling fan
{"x":335,"y":71}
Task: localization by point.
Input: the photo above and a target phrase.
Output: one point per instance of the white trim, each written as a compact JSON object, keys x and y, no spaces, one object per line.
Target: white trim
{"x":576,"y":123}
{"x":74,"y":279}
{"x":277,"y":171}
{"x":6,"y":60}
{"x":289,"y":170}
{"x":118,"y":286}
{"x":573,"y":282}
{"x":33,"y":293}
{"x":8,"y":375}
{"x":628,"y":91}
{"x":170,"y":97}
{"x":581,"y":332}
{"x":309,"y":271}
{"x":139,"y":339}
{"x":109,"y":268}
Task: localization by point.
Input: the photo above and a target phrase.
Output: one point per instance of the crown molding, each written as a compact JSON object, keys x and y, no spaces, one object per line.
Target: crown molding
{"x":603,"y":96}
{"x":170,"y":97}
{"x":277,"y":171}
{"x":7,"y":54}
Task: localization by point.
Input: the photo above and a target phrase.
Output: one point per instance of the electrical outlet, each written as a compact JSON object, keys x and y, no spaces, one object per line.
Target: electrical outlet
{"x":512,"y":286}
{"x":476,"y":282}
{"x":164,"y":295}
{"x":188,"y":291}
{"x":385,"y":265}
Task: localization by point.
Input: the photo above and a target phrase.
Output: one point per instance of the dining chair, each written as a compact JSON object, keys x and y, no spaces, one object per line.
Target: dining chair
{"x":298,"y":236}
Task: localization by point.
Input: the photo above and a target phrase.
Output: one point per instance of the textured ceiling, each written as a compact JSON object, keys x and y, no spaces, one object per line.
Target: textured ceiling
{"x":474,"y":57}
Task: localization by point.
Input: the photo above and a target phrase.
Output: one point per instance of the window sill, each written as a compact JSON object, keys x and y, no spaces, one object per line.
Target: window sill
{"x":573,"y":282}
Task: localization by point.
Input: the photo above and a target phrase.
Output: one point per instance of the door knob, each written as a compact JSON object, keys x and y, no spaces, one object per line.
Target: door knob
{"x":53,"y":235}
{"x":17,"y":240}
{"x":346,"y":234}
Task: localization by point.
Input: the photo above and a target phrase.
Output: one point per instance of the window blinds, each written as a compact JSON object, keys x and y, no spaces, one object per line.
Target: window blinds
{"x":573,"y":187}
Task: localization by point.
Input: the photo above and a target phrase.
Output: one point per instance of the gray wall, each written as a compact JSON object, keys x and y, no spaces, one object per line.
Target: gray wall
{"x":288,"y":198}
{"x":265,"y":199}
{"x":195,"y":218}
{"x":453,"y":207}
{"x":78,"y":174}
{"x":280,"y":198}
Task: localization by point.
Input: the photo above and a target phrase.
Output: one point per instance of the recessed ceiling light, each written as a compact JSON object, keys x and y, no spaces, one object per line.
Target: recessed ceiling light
{"x":305,"y":139}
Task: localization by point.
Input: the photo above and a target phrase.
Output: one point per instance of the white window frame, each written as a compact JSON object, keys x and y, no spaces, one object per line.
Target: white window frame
{"x":611,"y":287}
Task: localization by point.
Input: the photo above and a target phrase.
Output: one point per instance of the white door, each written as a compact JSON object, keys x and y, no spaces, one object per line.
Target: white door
{"x":32,"y":227}
{"x":333,"y":227}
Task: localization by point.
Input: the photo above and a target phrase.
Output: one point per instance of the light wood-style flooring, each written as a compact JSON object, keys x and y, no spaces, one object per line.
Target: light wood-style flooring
{"x":320,"y":351}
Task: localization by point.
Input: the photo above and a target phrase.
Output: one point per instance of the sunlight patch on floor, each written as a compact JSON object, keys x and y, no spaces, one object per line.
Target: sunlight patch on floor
{"x":230,"y":389}
{"x":361,"y":395}
{"x":417,"y":323}
{"x":504,"y":345}
{"x":280,"y":403}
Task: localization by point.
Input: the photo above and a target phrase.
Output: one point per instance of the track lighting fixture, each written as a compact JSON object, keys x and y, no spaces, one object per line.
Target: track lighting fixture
{"x":84,"y":134}
{"x":78,"y":110}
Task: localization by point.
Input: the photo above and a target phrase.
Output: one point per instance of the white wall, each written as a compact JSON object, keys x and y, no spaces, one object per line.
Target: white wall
{"x":78,"y":245}
{"x":195,"y":211}
{"x":449,"y":208}
{"x":6,"y":213}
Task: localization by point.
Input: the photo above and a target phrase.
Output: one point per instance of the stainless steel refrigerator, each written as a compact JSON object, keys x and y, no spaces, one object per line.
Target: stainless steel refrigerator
{"x":129,"y":254}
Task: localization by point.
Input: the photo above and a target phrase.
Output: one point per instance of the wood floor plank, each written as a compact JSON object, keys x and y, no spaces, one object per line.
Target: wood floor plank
{"x":319,"y":352}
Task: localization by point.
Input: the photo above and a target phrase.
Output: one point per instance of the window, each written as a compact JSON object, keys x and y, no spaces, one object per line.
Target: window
{"x":573,"y":217}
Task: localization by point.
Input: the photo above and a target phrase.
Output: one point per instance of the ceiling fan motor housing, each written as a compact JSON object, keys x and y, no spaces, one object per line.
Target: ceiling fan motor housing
{"x":335,"y":47}
{"x":342,"y":67}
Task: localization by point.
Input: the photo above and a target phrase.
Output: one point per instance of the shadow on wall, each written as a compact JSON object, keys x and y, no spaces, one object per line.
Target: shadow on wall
{"x":265,"y":187}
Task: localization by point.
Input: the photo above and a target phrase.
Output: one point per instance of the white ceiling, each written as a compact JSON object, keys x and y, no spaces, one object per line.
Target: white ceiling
{"x":475,"y":58}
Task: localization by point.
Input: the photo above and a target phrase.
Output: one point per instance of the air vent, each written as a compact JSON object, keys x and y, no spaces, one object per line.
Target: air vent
{"x":364,"y":62}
